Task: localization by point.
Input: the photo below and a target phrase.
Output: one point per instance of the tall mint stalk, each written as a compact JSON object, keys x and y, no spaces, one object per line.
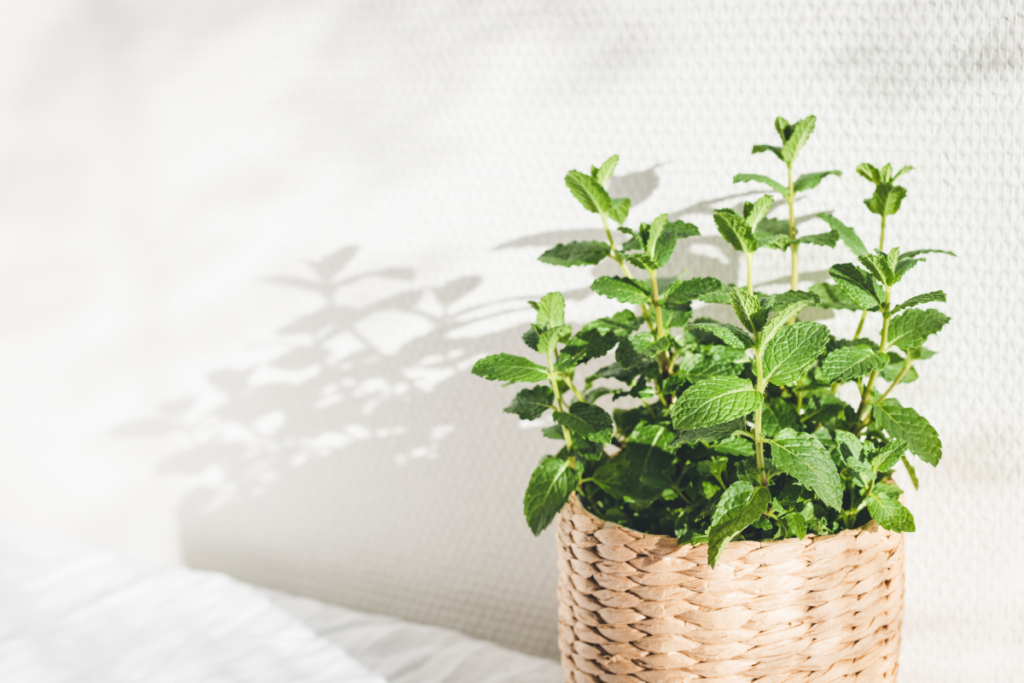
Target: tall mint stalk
{"x":719,"y":431}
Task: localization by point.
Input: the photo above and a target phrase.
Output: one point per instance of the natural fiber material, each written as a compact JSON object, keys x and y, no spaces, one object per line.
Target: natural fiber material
{"x":635,"y":607}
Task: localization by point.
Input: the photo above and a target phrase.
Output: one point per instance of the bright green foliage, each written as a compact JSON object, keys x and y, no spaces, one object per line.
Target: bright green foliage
{"x":714,"y":401}
{"x":801,"y":456}
{"x":852,"y":362}
{"x":709,"y":430}
{"x":549,"y":488}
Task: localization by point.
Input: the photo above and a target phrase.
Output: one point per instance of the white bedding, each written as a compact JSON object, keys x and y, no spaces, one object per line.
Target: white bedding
{"x":69,"y":613}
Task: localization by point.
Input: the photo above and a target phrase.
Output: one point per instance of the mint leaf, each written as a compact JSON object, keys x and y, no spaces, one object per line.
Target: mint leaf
{"x":590,"y":193}
{"x":548,"y":490}
{"x":529,"y":404}
{"x":748,"y":309}
{"x":910,"y":471}
{"x":772,"y":233}
{"x":777,"y":151}
{"x":735,"y":446}
{"x":796,"y":524}
{"x":576,"y":254}
{"x":707,"y":434}
{"x":908,"y":425}
{"x":620,"y":210}
{"x":929,"y":297}
{"x":896,"y":363}
{"x":846,"y":234}
{"x":917,"y":252}
{"x":793,"y":351}
{"x":622,"y":324}
{"x":588,"y":421}
{"x":735,"y":229}
{"x":602,"y":174}
{"x":851,"y":450}
{"x":869,"y":172}
{"x":587,"y":345}
{"x":912,"y":327}
{"x":809,"y":181}
{"x":857,"y":284}
{"x":550,"y":310}
{"x":736,"y":495}
{"x":628,"y":291}
{"x":890,"y":514}
{"x":714,"y":401}
{"x":695,"y":366}
{"x":731,"y":335}
{"x":781,"y":319}
{"x":889,"y":455}
{"x":753,"y":177}
{"x":851,"y":362}
{"x":633,"y":473}
{"x":880,"y":266}
{"x":832,"y":296}
{"x":505,"y":367}
{"x":803,"y":457}
{"x":754,"y":212}
{"x":796,"y":137}
{"x":681,"y":292}
{"x":821,"y":239}
{"x":886,"y":200}
{"x":732,"y":521}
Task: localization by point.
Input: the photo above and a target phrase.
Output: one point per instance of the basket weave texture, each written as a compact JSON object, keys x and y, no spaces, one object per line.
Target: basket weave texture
{"x":635,"y":607}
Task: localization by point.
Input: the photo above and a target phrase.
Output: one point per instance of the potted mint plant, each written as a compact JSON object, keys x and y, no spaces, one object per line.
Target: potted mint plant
{"x":724,"y":491}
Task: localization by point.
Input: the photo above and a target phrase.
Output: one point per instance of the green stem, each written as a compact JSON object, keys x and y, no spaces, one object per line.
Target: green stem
{"x":794,"y":277}
{"x":863,"y":408}
{"x":558,"y":400}
{"x":899,"y":378}
{"x":881,"y":240}
{"x":864,"y":315}
{"x":758,"y":436}
{"x":617,"y":257}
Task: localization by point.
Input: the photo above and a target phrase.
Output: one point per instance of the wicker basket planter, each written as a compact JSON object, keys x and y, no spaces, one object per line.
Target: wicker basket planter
{"x":636,"y":607}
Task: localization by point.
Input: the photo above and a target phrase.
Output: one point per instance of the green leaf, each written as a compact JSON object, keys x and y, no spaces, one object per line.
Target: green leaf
{"x":736,"y":495}
{"x":886,"y":200}
{"x":808,"y":181}
{"x":846,"y":234}
{"x":576,"y":254}
{"x":748,"y":309}
{"x":731,"y":335}
{"x":696,"y":366}
{"x":590,"y":193}
{"x":626,"y":290}
{"x":753,"y":177}
{"x":890,"y":514}
{"x":896,"y":363}
{"x":917,"y":252}
{"x":832,"y":296}
{"x":735,"y":229}
{"x":908,"y":425}
{"x":707,"y":434}
{"x":778,"y":414}
{"x":602,"y":174}
{"x":714,"y":401}
{"x":548,"y":490}
{"x":622,"y":324}
{"x":735,"y":446}
{"x":732,"y":521}
{"x":755,"y":212}
{"x":929,"y":297}
{"x":550,"y":310}
{"x":548,"y":340}
{"x":793,"y":351}
{"x":910,"y":471}
{"x":851,"y":362}
{"x":585,"y":346}
{"x":505,"y":367}
{"x":781,"y":319}
{"x":880,"y":267}
{"x":851,"y":450}
{"x":796,"y":137}
{"x":529,"y":404}
{"x":912,"y":327}
{"x":629,"y":474}
{"x":682,"y":291}
{"x":869,"y":172}
{"x":620,"y":210}
{"x":889,"y":455}
{"x":792,"y":296}
{"x":797,"y":524}
{"x":822,"y":239}
{"x":772,"y":233}
{"x":588,"y":421}
{"x":803,"y":457}
{"x":857,"y":284}
{"x":777,"y":151}
{"x":654,"y":234}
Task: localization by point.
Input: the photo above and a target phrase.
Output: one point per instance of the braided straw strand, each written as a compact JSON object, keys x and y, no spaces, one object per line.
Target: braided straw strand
{"x":640,"y":608}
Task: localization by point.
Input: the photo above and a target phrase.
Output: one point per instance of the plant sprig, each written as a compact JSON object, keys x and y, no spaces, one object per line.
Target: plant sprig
{"x":711,"y":431}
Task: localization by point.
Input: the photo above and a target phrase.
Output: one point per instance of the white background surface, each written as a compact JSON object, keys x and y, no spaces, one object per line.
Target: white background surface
{"x":183,"y":185}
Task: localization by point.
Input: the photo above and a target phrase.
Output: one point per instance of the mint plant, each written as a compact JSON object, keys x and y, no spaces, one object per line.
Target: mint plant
{"x":713,"y":431}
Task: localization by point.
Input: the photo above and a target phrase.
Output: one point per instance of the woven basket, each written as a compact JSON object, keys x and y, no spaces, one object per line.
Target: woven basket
{"x":635,"y":607}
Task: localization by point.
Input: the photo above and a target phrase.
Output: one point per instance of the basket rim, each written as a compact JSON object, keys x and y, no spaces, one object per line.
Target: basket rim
{"x":871,"y":527}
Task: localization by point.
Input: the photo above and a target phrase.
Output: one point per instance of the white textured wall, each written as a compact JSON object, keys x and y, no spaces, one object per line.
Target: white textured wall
{"x":250,"y":250}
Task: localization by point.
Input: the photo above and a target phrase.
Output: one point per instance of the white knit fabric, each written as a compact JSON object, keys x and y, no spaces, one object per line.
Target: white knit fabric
{"x":292,"y":226}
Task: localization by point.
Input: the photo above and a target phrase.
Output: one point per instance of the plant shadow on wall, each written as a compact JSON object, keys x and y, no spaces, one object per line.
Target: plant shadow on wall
{"x":362,"y":463}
